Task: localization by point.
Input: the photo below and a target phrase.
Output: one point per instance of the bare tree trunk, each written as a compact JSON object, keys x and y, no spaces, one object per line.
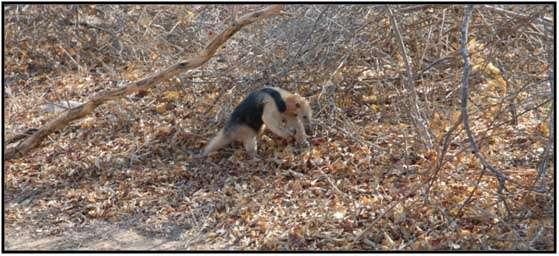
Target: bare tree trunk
{"x":150,"y":81}
{"x":465,"y":84}
{"x":417,"y":116}
{"x":542,"y":166}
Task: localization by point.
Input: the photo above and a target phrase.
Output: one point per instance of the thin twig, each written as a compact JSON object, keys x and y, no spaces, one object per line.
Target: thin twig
{"x":389,"y":209}
{"x":465,"y":84}
{"x":417,"y":115}
{"x":467,"y":201}
{"x":441,"y":157}
{"x":143,"y":84}
{"x":291,"y":59}
{"x":543,"y":20}
{"x":80,"y":68}
{"x":334,"y":184}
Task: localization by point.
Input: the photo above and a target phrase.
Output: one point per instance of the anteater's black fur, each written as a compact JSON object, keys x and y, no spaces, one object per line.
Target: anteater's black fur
{"x":249,"y":111}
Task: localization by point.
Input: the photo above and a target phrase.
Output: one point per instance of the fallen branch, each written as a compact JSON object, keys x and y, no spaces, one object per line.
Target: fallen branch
{"x":148,"y":82}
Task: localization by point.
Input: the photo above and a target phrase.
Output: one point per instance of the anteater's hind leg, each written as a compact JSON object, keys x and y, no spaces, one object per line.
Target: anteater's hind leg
{"x":248,"y":137}
{"x":219,"y":141}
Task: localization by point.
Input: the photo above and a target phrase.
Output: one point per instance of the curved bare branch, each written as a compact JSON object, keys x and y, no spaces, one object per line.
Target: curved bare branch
{"x":416,"y":113}
{"x":465,"y":84}
{"x":182,"y":66}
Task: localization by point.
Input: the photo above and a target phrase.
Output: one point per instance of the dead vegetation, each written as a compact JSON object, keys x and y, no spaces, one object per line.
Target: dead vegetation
{"x":391,"y":165}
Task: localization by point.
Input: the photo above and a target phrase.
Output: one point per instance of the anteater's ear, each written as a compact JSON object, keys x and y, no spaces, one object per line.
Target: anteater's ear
{"x":291,"y":103}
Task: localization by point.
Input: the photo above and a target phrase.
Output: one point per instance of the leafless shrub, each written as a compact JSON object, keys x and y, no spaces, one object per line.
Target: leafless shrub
{"x":358,"y":71}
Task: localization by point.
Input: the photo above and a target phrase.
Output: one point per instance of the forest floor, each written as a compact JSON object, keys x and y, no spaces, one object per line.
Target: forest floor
{"x":126,"y":179}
